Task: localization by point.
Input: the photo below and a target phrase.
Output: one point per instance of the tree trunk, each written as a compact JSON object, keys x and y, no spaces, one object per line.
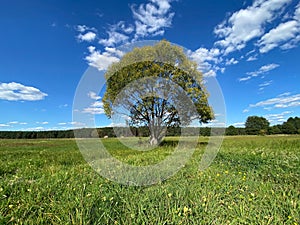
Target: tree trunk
{"x":156,"y":136}
{"x":157,"y":131}
{"x":153,"y":140}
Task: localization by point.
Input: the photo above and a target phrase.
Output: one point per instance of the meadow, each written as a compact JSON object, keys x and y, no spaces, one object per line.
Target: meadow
{"x":253,"y":180}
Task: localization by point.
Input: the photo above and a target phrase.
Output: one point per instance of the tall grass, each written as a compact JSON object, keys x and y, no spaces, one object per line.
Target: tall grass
{"x":253,"y":180}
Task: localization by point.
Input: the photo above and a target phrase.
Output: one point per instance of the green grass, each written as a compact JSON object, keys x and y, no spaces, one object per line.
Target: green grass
{"x":253,"y":180}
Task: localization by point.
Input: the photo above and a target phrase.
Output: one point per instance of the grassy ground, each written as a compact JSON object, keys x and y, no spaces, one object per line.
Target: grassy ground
{"x":253,"y":180}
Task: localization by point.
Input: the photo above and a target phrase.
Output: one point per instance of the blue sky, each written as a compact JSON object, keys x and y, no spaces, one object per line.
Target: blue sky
{"x":250,"y":47}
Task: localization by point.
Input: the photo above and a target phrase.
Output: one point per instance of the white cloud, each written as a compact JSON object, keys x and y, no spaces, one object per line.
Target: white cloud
{"x":84,"y":28}
{"x":43,"y":123}
{"x":36,"y":128}
{"x":152,"y":18}
{"x":99,"y":60}
{"x":245,"y":110}
{"x":281,"y":101}
{"x":282,"y":33}
{"x":297,"y":12}
{"x":247,"y":24}
{"x":16,"y":123}
{"x":245,"y":78}
{"x":96,"y":107}
{"x":114,"y":51}
{"x":277,"y":118}
{"x":4,"y":125}
{"x":81,"y":28}
{"x":89,"y":36}
{"x":207,"y":60}
{"x":13,"y":122}
{"x":284,"y":94}
{"x":265,"y":84}
{"x":210,"y":73}
{"x":239,"y":124}
{"x":267,"y":68}
{"x":232,"y":61}
{"x":128,"y":29}
{"x":262,"y":70}
{"x":114,"y":38}
{"x":19,"y":92}
{"x":73,"y":123}
{"x":117,"y":33}
{"x":63,"y":105}
{"x":252,"y":58}
{"x":93,"y":95}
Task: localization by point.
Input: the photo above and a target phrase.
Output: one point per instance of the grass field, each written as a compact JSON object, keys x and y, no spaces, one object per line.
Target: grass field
{"x":253,"y":180}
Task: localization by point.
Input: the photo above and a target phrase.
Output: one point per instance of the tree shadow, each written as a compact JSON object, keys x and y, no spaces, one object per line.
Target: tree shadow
{"x":174,"y":143}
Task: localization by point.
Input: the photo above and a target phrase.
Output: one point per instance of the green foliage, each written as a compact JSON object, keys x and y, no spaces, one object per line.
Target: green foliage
{"x":291,"y":126}
{"x":256,"y":125}
{"x":231,"y":130}
{"x":162,"y":61}
{"x":253,"y":180}
{"x":275,"y":129}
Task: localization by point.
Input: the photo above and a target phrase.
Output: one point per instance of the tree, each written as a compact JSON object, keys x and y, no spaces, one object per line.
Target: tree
{"x":231,"y":130}
{"x":256,"y":125}
{"x":291,"y":126}
{"x":146,"y":77}
{"x":275,"y":129}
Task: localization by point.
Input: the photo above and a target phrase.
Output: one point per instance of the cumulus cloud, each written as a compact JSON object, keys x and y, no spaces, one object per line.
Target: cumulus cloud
{"x":101,"y":61}
{"x":89,"y":36}
{"x":283,"y":32}
{"x":286,"y":35}
{"x":247,"y":24}
{"x":19,"y":92}
{"x":207,"y":60}
{"x":152,"y":18}
{"x":117,"y":33}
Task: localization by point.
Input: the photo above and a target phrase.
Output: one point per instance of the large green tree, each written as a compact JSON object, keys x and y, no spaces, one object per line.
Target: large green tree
{"x":291,"y":126}
{"x":256,"y":125}
{"x":141,"y":85}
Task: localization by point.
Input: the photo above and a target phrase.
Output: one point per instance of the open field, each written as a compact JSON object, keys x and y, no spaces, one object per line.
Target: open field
{"x":253,"y":180}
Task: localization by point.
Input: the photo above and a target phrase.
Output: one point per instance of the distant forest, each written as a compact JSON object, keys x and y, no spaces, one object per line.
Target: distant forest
{"x":291,"y":126}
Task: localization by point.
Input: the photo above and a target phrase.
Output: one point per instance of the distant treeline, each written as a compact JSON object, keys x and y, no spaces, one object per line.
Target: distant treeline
{"x":291,"y":126}
{"x":99,"y":132}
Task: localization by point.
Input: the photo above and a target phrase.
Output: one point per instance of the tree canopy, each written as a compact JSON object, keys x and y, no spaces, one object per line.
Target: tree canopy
{"x":257,"y":125}
{"x":153,"y":85}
